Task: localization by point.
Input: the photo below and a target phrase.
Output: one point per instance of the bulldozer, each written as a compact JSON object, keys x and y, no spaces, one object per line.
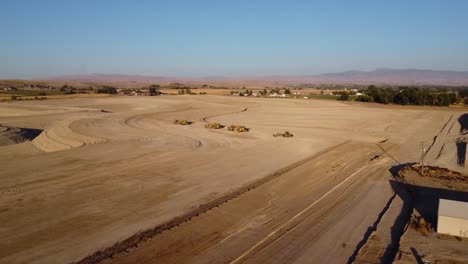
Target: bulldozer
{"x":214,"y":125}
{"x":182,"y":122}
{"x":238,"y":128}
{"x":286,"y":134}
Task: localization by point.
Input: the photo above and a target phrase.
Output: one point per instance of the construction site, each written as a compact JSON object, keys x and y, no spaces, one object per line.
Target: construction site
{"x":223,"y":179}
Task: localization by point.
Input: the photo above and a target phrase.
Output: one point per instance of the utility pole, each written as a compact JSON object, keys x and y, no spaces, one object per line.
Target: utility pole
{"x":423,"y":152}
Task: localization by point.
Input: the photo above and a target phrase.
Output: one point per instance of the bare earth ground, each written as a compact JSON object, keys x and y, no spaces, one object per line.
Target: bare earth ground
{"x":94,"y":178}
{"x":435,"y":248}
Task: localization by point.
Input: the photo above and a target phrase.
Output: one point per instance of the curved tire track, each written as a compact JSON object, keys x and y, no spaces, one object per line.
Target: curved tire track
{"x":231,"y":113}
{"x":134,"y":119}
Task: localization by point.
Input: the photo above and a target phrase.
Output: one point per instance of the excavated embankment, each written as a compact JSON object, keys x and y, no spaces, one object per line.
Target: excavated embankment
{"x":14,"y":135}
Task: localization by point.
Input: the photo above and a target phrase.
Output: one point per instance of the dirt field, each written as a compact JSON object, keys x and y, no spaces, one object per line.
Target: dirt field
{"x":105,"y":169}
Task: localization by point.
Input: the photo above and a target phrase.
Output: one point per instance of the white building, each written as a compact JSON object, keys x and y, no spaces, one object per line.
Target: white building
{"x":453,"y":218}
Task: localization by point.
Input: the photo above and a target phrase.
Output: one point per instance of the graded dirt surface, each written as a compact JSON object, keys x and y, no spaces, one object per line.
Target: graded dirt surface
{"x":433,"y":248}
{"x":105,"y":169}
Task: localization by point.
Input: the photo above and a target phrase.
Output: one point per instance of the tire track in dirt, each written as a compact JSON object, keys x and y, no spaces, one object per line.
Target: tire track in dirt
{"x":436,"y":136}
{"x":205,"y":119}
{"x":440,"y":151}
{"x":318,"y":215}
{"x":138,"y":238}
{"x":450,"y":129}
{"x":290,"y":224}
{"x":135,"y":119}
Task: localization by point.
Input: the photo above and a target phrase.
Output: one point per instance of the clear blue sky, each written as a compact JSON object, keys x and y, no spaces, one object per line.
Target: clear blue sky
{"x":229,"y":38}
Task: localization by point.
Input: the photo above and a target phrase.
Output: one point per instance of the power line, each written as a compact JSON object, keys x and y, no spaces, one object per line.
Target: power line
{"x":423,"y":152}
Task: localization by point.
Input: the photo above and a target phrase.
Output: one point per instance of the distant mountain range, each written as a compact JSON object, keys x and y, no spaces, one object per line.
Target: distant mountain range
{"x":111,"y":78}
{"x":378,"y":76}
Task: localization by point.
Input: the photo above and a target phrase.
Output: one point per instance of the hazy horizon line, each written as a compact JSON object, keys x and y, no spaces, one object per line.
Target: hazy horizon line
{"x":236,"y":76}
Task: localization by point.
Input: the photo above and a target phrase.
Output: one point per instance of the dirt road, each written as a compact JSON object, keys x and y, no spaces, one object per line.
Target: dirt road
{"x":291,"y":218}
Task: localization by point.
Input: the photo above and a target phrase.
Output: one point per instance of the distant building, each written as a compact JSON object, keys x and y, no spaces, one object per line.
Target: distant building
{"x":453,"y":218}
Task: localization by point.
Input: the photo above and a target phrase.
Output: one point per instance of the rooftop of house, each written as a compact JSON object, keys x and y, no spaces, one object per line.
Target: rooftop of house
{"x":453,"y":208}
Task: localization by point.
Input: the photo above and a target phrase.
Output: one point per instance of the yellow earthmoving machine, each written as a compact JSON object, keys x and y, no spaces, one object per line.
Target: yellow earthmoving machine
{"x":214,"y":125}
{"x":286,"y":134}
{"x":238,"y":128}
{"x":182,"y":122}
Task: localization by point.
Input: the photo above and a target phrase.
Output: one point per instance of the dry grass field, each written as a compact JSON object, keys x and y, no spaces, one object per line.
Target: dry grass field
{"x":105,"y":169}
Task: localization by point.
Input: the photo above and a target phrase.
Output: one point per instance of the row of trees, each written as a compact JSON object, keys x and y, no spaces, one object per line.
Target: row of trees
{"x":341,"y":92}
{"x":272,"y":91}
{"x":154,"y":89}
{"x":263,"y":92}
{"x":184,"y":91}
{"x":411,"y":96}
{"x":463,"y":93}
{"x":107,"y":90}
{"x":246,"y":92}
{"x":344,"y":96}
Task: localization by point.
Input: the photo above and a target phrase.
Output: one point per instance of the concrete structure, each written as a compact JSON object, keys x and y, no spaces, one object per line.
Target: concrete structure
{"x":453,"y":218}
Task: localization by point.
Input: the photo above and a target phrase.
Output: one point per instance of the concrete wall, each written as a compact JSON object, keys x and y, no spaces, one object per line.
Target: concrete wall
{"x":452,"y":226}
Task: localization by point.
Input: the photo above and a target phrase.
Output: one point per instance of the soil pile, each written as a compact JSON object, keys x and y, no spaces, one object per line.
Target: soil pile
{"x":432,"y":176}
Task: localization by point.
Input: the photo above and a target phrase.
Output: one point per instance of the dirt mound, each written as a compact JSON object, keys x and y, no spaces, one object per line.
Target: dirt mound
{"x":432,"y":176}
{"x":14,"y":135}
{"x":419,"y":224}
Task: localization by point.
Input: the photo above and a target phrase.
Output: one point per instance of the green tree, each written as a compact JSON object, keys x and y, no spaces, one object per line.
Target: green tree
{"x":277,"y":91}
{"x":344,"y":96}
{"x":107,"y":90}
{"x":365,"y":98}
{"x":463,"y":93}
